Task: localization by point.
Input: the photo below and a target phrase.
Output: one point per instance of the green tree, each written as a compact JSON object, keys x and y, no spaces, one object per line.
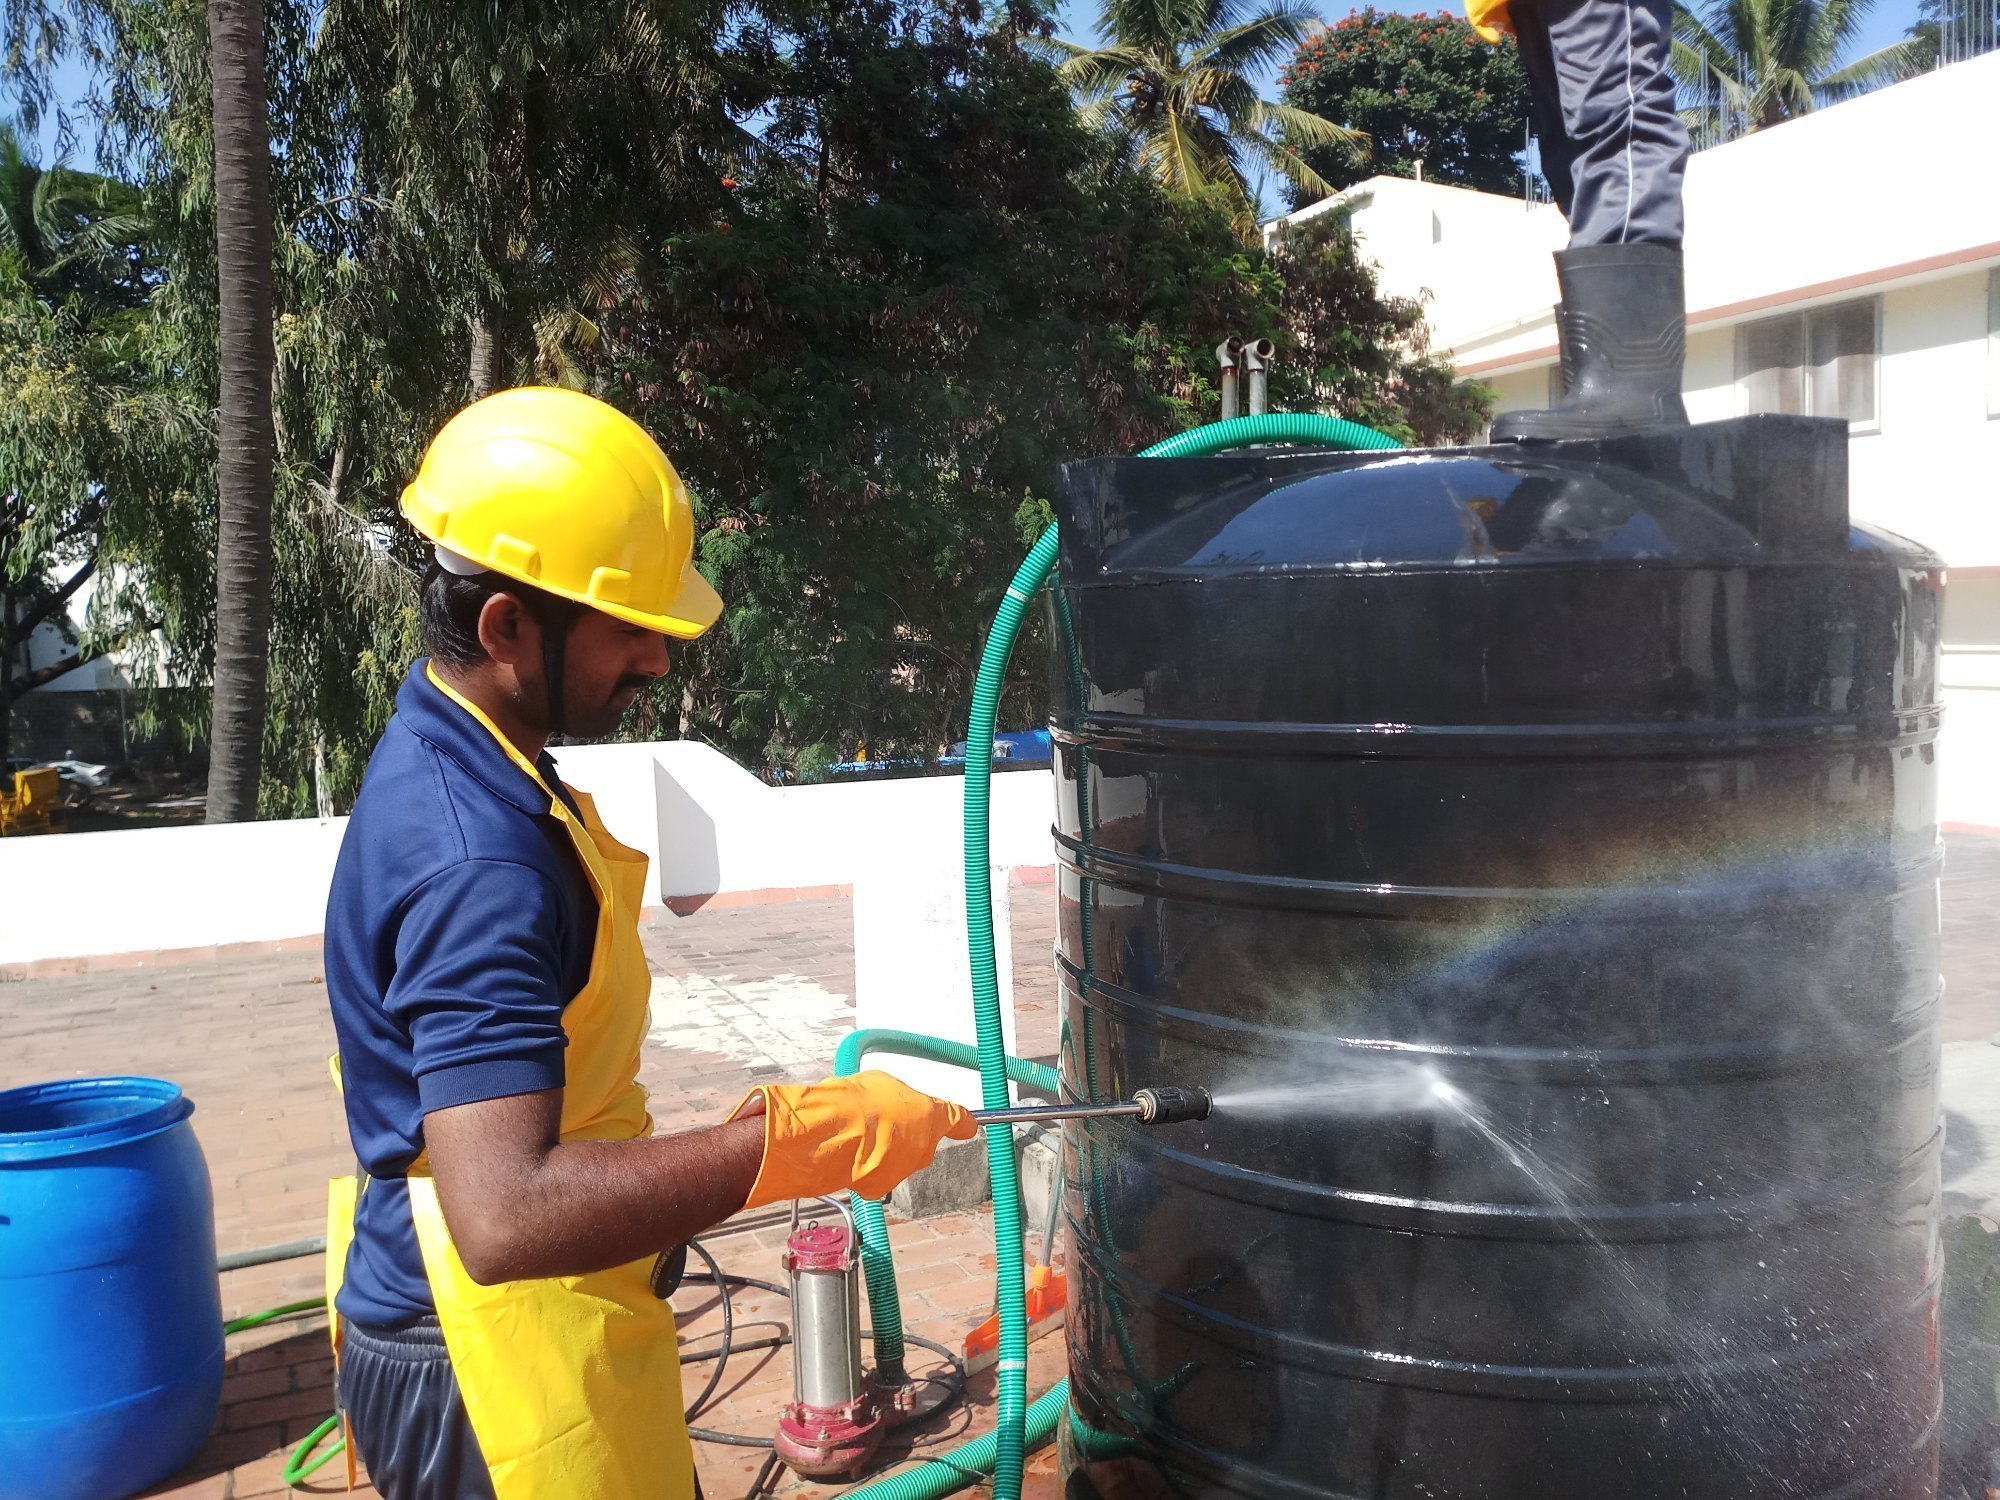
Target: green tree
{"x":932,"y":289}
{"x":517,"y":147}
{"x":867,"y":335}
{"x":1425,"y":89}
{"x":85,"y":437}
{"x":1348,"y":349}
{"x":1747,"y":64}
{"x":1170,"y":82}
{"x":455,"y":192}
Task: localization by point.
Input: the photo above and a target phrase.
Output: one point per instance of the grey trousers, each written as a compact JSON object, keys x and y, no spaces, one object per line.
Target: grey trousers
{"x":1613,"y":148}
{"x":409,"y":1424}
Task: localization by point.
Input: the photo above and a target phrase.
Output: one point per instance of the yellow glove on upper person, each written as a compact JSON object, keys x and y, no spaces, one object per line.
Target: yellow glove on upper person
{"x":865,"y":1133}
{"x":1489,"y":18}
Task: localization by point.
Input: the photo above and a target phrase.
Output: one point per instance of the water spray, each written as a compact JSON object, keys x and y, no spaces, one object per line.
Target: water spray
{"x":1165,"y":1105}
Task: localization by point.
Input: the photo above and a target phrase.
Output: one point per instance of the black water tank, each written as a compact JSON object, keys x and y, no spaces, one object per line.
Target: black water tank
{"x":1598,"y":781}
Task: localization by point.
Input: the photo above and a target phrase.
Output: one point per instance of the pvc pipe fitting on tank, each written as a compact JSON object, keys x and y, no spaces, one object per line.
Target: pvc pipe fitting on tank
{"x":1257,"y":355}
{"x":1226,"y":354}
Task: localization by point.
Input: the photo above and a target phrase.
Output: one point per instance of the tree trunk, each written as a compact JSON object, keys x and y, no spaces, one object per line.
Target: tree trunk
{"x":248,"y":442}
{"x":483,"y":376}
{"x":322,"y":793}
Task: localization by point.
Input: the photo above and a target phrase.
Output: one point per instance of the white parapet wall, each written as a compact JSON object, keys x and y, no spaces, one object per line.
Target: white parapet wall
{"x":709,"y":826}
{"x":80,"y":895}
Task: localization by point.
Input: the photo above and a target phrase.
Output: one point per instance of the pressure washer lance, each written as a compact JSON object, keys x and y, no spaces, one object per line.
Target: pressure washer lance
{"x":1165,"y":1105}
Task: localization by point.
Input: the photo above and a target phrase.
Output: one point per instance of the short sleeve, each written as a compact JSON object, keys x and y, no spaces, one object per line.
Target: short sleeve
{"x":479,"y":983}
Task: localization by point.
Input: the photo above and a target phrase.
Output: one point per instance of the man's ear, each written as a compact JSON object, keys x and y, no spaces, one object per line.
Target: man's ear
{"x":508,"y":633}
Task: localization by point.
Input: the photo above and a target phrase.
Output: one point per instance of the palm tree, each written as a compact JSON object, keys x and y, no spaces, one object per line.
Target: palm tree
{"x":1752,"y":63}
{"x":246,"y":440}
{"x":1170,"y":83}
{"x":1950,"y":31}
{"x":76,"y":233}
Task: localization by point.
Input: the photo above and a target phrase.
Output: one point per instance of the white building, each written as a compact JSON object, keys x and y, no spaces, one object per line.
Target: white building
{"x":54,"y":642}
{"x":1843,"y":264}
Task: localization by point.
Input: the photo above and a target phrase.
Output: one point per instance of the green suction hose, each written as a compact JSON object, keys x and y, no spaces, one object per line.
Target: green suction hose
{"x":965,"y":1465}
{"x":1006,"y":1447}
{"x":1011,"y":1403}
{"x":1272,"y":427}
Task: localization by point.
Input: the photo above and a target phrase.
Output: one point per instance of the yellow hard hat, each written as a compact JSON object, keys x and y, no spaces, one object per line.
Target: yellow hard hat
{"x":556,"y":489}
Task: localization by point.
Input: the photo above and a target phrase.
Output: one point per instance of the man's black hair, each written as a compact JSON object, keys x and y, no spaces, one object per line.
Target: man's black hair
{"x":450,"y":606}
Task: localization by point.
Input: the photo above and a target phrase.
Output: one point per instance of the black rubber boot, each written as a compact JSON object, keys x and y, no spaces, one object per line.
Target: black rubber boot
{"x":1623,"y":328}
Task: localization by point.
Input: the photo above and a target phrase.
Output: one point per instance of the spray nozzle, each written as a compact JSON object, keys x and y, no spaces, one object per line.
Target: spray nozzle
{"x":1169,"y":1105}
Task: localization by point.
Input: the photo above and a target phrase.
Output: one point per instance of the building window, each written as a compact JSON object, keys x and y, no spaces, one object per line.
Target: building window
{"x":1993,"y":342}
{"x":1819,"y":363}
{"x":1555,"y":391}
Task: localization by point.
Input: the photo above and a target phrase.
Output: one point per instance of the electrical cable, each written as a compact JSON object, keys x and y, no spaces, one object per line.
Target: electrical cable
{"x":763,"y":1477}
{"x":305,"y":1461}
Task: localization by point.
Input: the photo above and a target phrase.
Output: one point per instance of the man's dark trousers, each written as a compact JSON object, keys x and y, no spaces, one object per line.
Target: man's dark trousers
{"x":1613,"y":148}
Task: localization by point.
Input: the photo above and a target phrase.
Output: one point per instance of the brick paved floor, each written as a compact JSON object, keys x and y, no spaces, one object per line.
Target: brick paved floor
{"x":247,"y":1038}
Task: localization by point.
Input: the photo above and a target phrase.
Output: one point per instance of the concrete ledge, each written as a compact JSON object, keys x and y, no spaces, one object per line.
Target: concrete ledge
{"x":956,"y":1180}
{"x":687,"y":906}
{"x":172,"y":958}
{"x":715,"y":836}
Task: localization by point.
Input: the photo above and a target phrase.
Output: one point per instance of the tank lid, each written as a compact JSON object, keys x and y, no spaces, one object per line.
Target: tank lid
{"x":1763,"y":488}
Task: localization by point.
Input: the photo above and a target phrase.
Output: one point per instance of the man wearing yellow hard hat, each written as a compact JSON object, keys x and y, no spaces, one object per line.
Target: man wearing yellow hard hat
{"x":493,"y":1263}
{"x":1614,"y":152}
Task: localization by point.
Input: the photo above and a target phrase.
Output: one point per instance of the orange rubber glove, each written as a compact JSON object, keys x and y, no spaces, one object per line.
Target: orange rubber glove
{"x":865,"y":1133}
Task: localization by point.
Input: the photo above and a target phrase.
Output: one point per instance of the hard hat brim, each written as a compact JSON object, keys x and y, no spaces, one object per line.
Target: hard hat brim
{"x":695,"y":609}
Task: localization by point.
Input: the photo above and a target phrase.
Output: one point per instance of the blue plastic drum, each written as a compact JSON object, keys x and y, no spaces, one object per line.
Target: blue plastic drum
{"x":110,"y":1312}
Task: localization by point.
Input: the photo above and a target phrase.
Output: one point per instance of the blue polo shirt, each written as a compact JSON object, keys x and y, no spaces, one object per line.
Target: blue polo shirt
{"x":459,"y":925}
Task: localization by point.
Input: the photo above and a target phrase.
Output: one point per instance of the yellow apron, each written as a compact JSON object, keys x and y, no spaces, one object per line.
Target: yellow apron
{"x":573,"y":1383}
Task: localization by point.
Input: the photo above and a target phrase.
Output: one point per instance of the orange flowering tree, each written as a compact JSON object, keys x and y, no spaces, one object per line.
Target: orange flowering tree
{"x":1422,"y":87}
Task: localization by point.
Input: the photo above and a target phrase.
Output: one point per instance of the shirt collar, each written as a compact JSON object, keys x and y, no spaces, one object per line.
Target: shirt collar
{"x":442,"y":724}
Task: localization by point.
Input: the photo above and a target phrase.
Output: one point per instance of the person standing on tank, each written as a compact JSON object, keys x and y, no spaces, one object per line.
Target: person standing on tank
{"x":1614,"y":152}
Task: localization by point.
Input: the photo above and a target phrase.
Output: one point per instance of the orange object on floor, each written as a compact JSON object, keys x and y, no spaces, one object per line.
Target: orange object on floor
{"x":1048,"y":1302}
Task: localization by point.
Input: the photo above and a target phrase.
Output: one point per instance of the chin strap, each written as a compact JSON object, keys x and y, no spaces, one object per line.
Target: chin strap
{"x":555,"y":643}
{"x":555,"y":617}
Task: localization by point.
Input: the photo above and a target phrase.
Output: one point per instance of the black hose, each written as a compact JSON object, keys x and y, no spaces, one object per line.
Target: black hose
{"x":771,"y":1466}
{"x":728,"y":1329}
